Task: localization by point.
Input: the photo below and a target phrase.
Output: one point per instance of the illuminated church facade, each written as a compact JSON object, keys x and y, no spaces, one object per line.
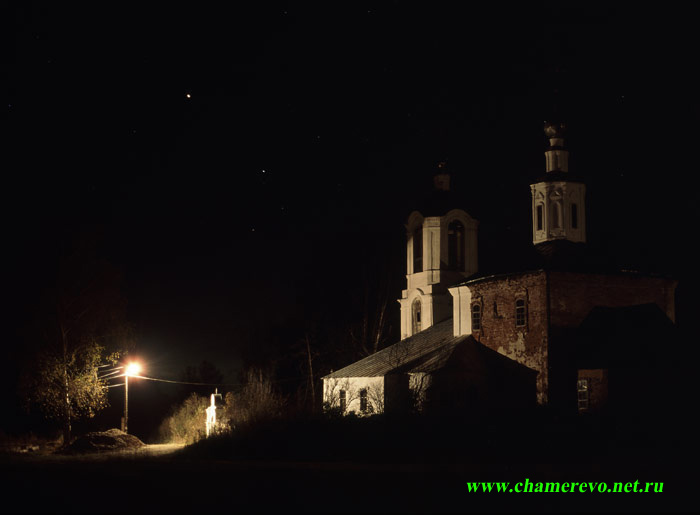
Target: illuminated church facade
{"x":563,"y":327}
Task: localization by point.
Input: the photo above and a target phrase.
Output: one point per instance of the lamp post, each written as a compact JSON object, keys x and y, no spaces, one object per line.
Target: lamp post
{"x":132,"y":369}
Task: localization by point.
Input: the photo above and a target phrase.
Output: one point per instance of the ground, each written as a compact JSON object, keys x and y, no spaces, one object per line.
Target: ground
{"x":373,"y":464}
{"x":157,"y":478}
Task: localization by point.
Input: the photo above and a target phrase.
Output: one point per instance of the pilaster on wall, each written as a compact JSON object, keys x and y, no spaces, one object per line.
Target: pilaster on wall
{"x":461,"y":310}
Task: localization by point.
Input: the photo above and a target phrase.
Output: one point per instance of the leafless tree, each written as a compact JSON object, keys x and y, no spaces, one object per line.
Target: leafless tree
{"x":370,"y":334}
{"x":331,"y":394}
{"x":418,"y":384}
{"x":375,"y":394}
{"x":311,"y":382}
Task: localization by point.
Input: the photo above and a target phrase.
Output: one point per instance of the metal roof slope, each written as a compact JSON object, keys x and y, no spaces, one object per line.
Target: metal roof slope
{"x":468,"y":355}
{"x":401,"y":353}
{"x":435,"y":359}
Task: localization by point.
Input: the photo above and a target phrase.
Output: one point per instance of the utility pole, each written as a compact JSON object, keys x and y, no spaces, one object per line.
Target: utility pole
{"x":311,"y":375}
{"x":133,"y":369}
{"x":126,"y":404}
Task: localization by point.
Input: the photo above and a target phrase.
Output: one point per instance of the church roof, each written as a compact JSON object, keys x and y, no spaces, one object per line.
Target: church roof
{"x":557,"y":255}
{"x":468,"y":355}
{"x":432,"y":201}
{"x":438,"y":203}
{"x":435,"y":359}
{"x":564,"y":255}
{"x":404,"y":353}
{"x":429,"y":351}
{"x":625,"y":336}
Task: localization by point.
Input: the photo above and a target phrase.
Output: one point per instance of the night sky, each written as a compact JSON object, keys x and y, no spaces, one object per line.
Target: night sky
{"x":248,"y":167}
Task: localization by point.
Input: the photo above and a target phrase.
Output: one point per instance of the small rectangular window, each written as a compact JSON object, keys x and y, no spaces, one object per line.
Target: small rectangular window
{"x":539,"y":217}
{"x":583,"y":387}
{"x":343,"y":399}
{"x":363,"y":401}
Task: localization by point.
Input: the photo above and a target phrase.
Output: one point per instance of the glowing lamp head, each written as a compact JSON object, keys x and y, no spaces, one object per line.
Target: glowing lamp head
{"x":133,"y":369}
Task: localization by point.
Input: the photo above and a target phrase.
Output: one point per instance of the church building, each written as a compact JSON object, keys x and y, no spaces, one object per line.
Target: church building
{"x":563,"y":327}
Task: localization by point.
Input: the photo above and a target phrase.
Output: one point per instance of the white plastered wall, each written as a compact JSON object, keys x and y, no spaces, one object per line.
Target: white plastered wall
{"x":352,"y":387}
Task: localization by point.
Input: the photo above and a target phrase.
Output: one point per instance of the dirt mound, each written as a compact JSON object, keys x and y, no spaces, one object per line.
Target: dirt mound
{"x":111,"y":440}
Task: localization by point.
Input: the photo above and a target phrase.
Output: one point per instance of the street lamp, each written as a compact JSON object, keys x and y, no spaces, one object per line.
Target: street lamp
{"x":132,"y":369}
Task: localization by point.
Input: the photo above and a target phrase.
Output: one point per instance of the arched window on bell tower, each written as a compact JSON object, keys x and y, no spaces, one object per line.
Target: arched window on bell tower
{"x":556,"y":215}
{"x":416,"y":316}
{"x":455,"y":245}
{"x":418,"y":249}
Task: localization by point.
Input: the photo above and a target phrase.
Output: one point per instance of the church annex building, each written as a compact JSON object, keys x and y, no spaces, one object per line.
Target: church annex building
{"x":566,"y":329}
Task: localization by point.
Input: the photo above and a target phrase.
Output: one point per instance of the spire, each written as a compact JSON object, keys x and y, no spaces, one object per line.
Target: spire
{"x":557,"y":157}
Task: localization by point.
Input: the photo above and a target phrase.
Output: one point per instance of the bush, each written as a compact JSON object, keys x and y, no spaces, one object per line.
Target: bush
{"x":187,"y":424}
{"x":258,"y":401}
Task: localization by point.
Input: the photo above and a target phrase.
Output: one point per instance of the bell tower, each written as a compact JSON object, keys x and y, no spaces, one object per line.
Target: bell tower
{"x":558,"y":199}
{"x":441,"y":250}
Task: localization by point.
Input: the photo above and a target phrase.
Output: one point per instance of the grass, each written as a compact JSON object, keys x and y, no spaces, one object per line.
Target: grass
{"x":528,"y":438}
{"x":355,"y":465}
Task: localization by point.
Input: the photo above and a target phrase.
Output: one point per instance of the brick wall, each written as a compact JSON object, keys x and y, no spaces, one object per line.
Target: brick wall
{"x":526,"y":345}
{"x":574,"y":295}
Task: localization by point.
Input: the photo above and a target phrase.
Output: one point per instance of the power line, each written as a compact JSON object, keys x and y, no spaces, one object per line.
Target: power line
{"x":192,"y":383}
{"x":187,"y":382}
{"x":111,"y":375}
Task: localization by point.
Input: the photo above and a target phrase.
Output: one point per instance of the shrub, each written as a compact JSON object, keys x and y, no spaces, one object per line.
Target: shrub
{"x":257,"y":401}
{"x":187,"y":424}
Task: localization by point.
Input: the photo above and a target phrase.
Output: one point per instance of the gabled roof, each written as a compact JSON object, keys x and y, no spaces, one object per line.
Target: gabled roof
{"x":468,"y":355}
{"x":435,"y":359}
{"x":555,"y":256}
{"x":402,"y":353}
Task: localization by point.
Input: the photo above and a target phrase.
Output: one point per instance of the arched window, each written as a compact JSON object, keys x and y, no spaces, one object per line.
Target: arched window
{"x":416,"y":316}
{"x":540,"y":216}
{"x":556,"y":215}
{"x":574,"y":216}
{"x":455,"y":245}
{"x":418,"y":249}
{"x":520,"y":313}
{"x":476,"y":317}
